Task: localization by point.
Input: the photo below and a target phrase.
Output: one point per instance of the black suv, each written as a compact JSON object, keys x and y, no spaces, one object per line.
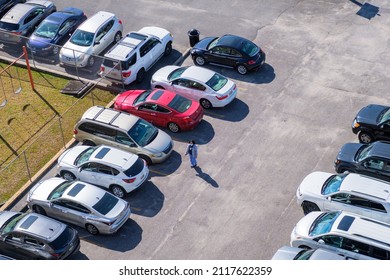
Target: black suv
{"x":369,"y":159}
{"x":372,"y":123}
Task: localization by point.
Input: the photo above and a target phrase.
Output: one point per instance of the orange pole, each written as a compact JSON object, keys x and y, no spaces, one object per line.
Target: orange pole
{"x":28,"y":67}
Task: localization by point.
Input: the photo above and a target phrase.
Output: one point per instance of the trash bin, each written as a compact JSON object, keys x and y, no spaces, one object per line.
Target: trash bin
{"x":193,"y":35}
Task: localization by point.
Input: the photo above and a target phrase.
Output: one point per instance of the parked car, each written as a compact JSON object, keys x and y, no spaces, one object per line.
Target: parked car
{"x":211,"y":89}
{"x":372,"y":123}
{"x":161,"y":108}
{"x":294,"y":253}
{"x":119,"y":171}
{"x":91,"y":38}
{"x":54,"y":31}
{"x":355,"y":193}
{"x":33,"y":236}
{"x":345,"y":233}
{"x":5,"y":5}
{"x":229,"y":51}
{"x":22,"y":19}
{"x":79,"y":203}
{"x":369,"y":159}
{"x":100,"y":125}
{"x":135,"y":54}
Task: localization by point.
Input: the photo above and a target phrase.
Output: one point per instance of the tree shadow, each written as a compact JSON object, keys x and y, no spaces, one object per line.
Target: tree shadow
{"x":206,"y":177}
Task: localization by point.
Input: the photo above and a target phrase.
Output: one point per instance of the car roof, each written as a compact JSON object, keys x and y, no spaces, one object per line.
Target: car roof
{"x":198,"y":73}
{"x":84,"y":193}
{"x":113,"y":157}
{"x":163,"y":98}
{"x":61,"y":16}
{"x":110,"y":117}
{"x":94,"y":22}
{"x":380,"y":149}
{"x":125,"y":47}
{"x":366,"y":185}
{"x":233,"y":41}
{"x":17,"y":12}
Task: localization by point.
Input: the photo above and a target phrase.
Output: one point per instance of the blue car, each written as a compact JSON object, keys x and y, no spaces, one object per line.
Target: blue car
{"x":55,"y":31}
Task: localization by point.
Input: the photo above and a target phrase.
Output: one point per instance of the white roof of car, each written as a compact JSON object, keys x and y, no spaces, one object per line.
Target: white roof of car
{"x":94,"y":22}
{"x":84,"y":193}
{"x":114,"y":157}
{"x":154,"y":31}
{"x":198,"y":73}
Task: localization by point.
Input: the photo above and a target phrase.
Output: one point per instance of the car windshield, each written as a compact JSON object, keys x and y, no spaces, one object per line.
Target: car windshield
{"x":84,"y":156}
{"x":142,"y":97}
{"x":143,"y":133}
{"x":82,"y":38}
{"x":333,"y":184}
{"x":304,"y":255}
{"x":384,"y":116}
{"x":213,"y":43}
{"x":11,"y":223}
{"x":249,"y":48}
{"x":180,"y":103}
{"x":106,"y":203}
{"x":217,"y":82}
{"x":323,"y":223}
{"x":362,"y":154}
{"x":59,"y":190}
{"x":47,"y":30}
{"x":176,"y":73}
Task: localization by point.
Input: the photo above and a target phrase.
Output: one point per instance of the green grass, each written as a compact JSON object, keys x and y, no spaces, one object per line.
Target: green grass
{"x":31,"y":126}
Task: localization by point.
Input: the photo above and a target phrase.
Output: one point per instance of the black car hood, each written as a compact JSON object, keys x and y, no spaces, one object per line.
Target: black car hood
{"x":348,"y":152}
{"x":202,"y":44}
{"x":369,"y":114}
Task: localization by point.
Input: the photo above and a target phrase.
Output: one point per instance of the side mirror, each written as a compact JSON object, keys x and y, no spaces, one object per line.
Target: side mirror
{"x":366,"y":164}
{"x":80,"y":169}
{"x":97,"y":43}
{"x":329,"y":198}
{"x":321,"y":241}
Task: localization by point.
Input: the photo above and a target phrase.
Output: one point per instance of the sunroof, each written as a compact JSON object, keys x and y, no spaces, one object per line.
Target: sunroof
{"x":345,"y":223}
{"x":28,"y":222}
{"x":157,"y":95}
{"x":102,"y":153}
{"x":76,"y":189}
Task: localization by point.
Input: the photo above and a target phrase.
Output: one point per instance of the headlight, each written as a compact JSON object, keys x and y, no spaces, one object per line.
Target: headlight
{"x":355,"y":124}
{"x":47,"y":48}
{"x":81,"y":57}
{"x":156,"y":155}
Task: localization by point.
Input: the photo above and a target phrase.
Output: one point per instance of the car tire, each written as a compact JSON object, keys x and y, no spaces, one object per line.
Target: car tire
{"x":92,"y":229}
{"x":308,"y":207}
{"x":118,"y":191}
{"x":39,"y":210}
{"x":55,"y":50}
{"x":140,"y":75}
{"x":91,"y":61}
{"x":173,"y":127}
{"x":117,"y":37}
{"x":241,"y":69}
{"x":147,"y":159}
{"x":365,"y":137}
{"x":199,"y":60}
{"x":205,"y":104}
{"x":168,"y":49}
{"x":88,"y":143}
{"x":69,"y":176}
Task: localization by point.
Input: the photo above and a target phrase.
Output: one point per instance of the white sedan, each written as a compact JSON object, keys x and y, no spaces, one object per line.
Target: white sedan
{"x":211,"y":89}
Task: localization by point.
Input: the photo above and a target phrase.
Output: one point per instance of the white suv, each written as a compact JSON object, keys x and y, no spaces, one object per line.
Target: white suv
{"x":119,"y":171}
{"x":135,"y":54}
{"x":90,"y":39}
{"x":367,"y":196}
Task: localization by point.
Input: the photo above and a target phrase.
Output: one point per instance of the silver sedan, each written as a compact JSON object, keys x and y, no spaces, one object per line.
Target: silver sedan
{"x":79,"y":203}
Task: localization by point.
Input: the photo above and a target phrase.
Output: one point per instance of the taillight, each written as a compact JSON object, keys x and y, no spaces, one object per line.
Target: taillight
{"x":129,"y":181}
{"x":187,"y":119}
{"x":235,"y":86}
{"x":75,"y":131}
{"x":120,"y":22}
{"x":102,"y":68}
{"x":56,"y":255}
{"x":250,"y":62}
{"x":17,"y":33}
{"x":109,"y":223}
{"x":222,"y":97}
{"x":126,"y":74}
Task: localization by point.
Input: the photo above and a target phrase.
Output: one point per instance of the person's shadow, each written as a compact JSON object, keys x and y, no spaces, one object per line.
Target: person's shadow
{"x":206,"y":177}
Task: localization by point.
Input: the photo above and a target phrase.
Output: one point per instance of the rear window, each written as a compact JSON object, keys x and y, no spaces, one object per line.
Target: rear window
{"x":62,"y":240}
{"x":9,"y":26}
{"x":217,"y":82}
{"x":120,"y":65}
{"x":180,"y":103}
{"x":136,"y":168}
{"x":249,"y":48}
{"x":106,"y":204}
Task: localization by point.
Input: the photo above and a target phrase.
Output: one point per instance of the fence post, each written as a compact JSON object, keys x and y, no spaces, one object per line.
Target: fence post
{"x":28,"y":169}
{"x":62,"y":132}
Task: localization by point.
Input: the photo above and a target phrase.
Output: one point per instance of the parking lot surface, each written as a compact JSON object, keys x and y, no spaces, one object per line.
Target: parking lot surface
{"x":325,"y":61}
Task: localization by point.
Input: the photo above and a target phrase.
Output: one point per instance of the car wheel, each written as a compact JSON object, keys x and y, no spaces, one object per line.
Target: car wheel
{"x":309,"y":207}
{"x":168,"y":49}
{"x":39,"y":210}
{"x":68,"y":176}
{"x":118,"y":191}
{"x":55,"y":50}
{"x":140,"y":75}
{"x":147,"y":159}
{"x":205,"y":104}
{"x":88,"y":143}
{"x":91,"y":61}
{"x":117,"y":37}
{"x":199,"y":60}
{"x":91,"y":229}
{"x":365,"y":137}
{"x":173,"y":127}
{"x":242,"y":69}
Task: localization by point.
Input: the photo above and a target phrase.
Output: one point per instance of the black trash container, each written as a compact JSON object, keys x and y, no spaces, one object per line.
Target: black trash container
{"x":193,"y":35}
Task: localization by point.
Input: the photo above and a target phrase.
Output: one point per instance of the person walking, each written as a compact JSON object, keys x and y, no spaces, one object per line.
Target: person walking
{"x":192,"y":152}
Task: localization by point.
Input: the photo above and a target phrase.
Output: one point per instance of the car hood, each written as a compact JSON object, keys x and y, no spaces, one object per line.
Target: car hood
{"x":202,"y":44}
{"x":70,"y":155}
{"x":38,"y":42}
{"x":42,"y":190}
{"x":348,"y":152}
{"x":127,"y":98}
{"x":303,"y":226}
{"x":5,"y":215}
{"x":286,"y":253}
{"x":160,"y":143}
{"x":163,"y":73}
{"x":370,"y":114}
{"x":69,"y":48}
{"x":312,"y":183}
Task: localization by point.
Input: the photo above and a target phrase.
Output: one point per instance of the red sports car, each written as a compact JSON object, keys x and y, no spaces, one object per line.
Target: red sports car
{"x":161,"y":108}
